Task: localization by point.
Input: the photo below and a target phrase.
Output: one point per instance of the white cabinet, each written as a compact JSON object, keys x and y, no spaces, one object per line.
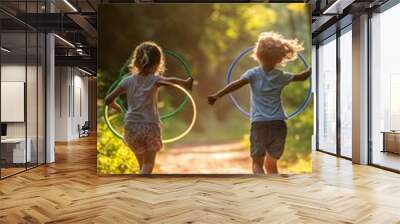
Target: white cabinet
{"x":17,"y":147}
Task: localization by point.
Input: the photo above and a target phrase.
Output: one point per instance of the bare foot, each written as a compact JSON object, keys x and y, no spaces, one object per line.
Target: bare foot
{"x":284,"y":175}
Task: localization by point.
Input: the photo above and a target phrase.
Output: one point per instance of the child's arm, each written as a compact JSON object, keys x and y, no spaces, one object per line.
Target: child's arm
{"x":302,"y":75}
{"x":233,"y":86}
{"x":186,"y":83}
{"x":110,"y":98}
{"x":116,"y":107}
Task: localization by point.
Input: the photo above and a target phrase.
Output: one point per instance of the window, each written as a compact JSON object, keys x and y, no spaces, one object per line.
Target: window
{"x":22,"y":90}
{"x":15,"y":147}
{"x":327,"y":96}
{"x":385,"y":89}
{"x":346,"y":93}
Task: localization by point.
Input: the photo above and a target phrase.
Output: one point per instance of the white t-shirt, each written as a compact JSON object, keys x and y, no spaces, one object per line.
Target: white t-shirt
{"x":142,"y":97}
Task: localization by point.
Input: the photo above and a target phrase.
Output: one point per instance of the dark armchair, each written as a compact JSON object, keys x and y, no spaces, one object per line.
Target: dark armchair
{"x":84,"y":129}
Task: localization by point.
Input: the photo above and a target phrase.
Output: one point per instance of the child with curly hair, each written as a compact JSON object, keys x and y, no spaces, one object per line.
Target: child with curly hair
{"x":268,"y":126}
{"x":142,"y":122}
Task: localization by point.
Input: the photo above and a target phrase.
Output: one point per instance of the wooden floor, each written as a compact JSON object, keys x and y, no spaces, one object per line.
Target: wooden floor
{"x":69,"y":191}
{"x":386,"y":159}
{"x":5,"y":172}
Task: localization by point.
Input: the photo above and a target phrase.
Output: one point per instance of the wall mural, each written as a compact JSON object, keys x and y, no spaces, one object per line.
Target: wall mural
{"x":204,"y":89}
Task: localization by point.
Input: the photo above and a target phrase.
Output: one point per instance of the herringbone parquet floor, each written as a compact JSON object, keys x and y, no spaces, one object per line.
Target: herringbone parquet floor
{"x":69,"y":191}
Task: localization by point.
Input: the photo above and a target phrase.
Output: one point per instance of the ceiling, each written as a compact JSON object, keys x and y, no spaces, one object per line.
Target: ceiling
{"x":75,"y":21}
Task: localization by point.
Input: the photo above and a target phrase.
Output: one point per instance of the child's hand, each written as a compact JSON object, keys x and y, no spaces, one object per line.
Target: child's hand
{"x":189,"y":83}
{"x":116,"y":107}
{"x":212,"y":99}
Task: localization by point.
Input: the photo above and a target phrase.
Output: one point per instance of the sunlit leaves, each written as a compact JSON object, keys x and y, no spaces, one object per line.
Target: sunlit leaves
{"x":297,"y":7}
{"x":257,"y":17}
{"x":113,"y":157}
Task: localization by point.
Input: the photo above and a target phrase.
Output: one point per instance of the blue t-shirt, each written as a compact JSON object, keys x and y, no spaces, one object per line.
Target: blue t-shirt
{"x":266,"y":89}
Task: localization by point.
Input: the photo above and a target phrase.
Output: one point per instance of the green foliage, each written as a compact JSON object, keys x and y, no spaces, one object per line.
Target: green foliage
{"x":113,"y":157}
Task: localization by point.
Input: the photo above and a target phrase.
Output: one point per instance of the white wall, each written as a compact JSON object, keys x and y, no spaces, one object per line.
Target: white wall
{"x":61,"y":103}
{"x":80,"y":110}
{"x":15,"y":73}
{"x":12,"y":73}
{"x":71,"y":94}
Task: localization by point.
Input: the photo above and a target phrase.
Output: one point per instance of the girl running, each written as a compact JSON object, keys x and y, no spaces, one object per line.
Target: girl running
{"x":142,"y":122}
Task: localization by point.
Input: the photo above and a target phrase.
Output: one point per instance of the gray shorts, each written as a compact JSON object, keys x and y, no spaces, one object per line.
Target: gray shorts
{"x":268,"y":137}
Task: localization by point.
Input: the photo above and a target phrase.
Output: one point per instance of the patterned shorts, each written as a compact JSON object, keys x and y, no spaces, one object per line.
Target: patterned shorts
{"x":143,"y":137}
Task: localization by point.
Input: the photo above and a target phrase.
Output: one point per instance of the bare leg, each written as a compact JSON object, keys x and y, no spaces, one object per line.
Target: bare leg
{"x":148,"y":162}
{"x":139,"y":158}
{"x":271,"y":165}
{"x":258,"y":163}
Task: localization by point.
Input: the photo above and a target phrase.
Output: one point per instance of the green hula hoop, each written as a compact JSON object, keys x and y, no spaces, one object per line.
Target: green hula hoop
{"x":123,"y":72}
{"x":187,"y":73}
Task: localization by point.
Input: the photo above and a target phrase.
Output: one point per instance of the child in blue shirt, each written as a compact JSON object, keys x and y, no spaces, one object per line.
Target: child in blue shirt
{"x":268,"y":126}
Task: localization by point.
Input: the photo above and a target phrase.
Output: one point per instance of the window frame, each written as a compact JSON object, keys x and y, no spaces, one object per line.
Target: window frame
{"x":27,"y":29}
{"x":333,"y":37}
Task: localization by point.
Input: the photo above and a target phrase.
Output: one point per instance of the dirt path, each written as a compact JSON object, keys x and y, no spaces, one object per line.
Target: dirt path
{"x":212,"y":159}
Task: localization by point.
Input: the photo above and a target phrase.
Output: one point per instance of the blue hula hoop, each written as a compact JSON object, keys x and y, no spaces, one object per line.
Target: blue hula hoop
{"x":235,"y":102}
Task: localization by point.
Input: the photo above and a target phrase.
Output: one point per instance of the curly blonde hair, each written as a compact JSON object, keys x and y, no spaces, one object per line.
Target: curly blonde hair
{"x":147,"y":59}
{"x":274,"y":49}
